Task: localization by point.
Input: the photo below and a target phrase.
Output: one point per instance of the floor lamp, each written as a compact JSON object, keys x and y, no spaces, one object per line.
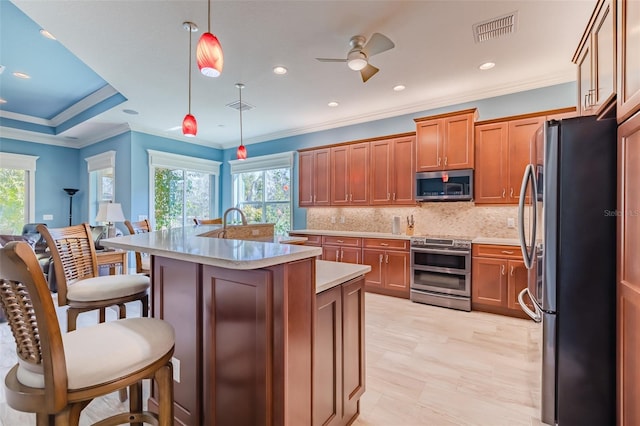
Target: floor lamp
{"x":71,"y":192}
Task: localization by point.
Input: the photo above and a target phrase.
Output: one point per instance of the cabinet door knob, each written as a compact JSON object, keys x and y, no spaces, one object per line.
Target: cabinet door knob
{"x":386,"y":258}
{"x":445,"y":161}
{"x":346,"y":197}
{"x":511,"y":193}
{"x":350,"y":197}
{"x":388,"y":196}
{"x":341,"y":255}
{"x":502,"y":270}
{"x":337,"y":255}
{"x":380,"y":258}
{"x":504,"y":192}
{"x":511,"y":270}
{"x":394,"y":196}
{"x":439,"y":160}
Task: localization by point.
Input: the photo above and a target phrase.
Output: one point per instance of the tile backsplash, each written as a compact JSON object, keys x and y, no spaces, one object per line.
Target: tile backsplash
{"x":463,"y":219}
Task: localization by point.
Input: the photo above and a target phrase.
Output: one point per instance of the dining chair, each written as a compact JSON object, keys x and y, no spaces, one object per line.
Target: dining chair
{"x":79,"y":285}
{"x":59,"y":374}
{"x":143,"y":260}
{"x":217,"y":221}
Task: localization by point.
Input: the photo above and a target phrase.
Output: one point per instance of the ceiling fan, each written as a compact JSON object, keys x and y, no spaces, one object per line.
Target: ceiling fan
{"x":358,"y":57}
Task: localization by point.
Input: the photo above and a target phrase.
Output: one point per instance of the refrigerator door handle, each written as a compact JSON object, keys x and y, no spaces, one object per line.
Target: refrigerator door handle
{"x":528,"y":254}
{"x":535,"y":316}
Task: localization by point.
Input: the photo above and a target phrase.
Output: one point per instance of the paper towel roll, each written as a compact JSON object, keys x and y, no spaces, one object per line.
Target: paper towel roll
{"x":395,"y":227}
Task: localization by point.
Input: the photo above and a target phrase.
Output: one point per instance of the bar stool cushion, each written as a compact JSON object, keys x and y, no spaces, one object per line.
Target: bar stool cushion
{"x":106,"y":287}
{"x":93,"y":358}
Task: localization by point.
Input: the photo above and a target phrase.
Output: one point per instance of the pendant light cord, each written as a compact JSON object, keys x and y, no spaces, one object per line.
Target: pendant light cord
{"x":209,"y":16}
{"x":190,"y":31}
{"x":240,"y":90}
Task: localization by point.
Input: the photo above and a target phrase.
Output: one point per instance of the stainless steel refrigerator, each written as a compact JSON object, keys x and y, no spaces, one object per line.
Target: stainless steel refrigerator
{"x":567,"y":225}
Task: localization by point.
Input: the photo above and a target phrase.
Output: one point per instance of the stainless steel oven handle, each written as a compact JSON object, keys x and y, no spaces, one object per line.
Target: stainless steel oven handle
{"x":436,"y":251}
{"x":535,"y":316}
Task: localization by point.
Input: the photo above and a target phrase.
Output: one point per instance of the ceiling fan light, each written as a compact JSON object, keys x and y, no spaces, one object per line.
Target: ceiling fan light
{"x":209,"y":55}
{"x":357,"y":64}
{"x":189,"y":126}
{"x":241,"y":152}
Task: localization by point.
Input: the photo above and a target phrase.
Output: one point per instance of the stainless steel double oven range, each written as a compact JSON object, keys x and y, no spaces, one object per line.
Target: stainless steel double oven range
{"x":441,"y":272}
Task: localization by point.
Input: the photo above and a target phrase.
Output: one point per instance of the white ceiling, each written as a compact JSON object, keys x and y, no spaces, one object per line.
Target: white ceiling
{"x":141,"y":49}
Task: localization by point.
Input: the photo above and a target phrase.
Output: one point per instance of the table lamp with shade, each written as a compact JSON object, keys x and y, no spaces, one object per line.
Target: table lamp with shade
{"x":110,"y":213}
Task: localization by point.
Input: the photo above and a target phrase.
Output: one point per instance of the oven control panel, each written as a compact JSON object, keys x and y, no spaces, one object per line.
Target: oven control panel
{"x":441,"y":243}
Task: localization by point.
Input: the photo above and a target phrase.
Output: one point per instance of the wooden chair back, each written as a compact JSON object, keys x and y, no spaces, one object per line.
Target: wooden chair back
{"x":217,"y":221}
{"x":74,"y":255}
{"x":139,"y":228}
{"x":27,"y":301}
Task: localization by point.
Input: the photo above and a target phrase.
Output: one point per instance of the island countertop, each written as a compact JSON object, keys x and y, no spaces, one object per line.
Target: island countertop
{"x":331,"y":274}
{"x":186,"y":244}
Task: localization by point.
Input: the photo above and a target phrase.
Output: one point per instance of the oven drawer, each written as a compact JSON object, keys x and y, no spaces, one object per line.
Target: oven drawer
{"x":498,"y":251}
{"x":341,"y":241}
{"x":386,"y":244}
{"x":441,"y":282}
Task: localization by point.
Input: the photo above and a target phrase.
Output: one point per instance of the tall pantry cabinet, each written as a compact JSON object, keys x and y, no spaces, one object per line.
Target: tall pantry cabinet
{"x":628,"y":214}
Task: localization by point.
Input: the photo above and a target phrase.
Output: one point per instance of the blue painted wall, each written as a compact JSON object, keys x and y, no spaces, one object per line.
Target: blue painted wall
{"x":60,"y":167}
{"x":56,"y":168}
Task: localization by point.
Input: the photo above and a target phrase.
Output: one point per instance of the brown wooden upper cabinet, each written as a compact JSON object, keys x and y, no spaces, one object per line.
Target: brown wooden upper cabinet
{"x":392,"y":171}
{"x":314,"y":178}
{"x":350,"y":174}
{"x":596,"y":61}
{"x":503,"y":150}
{"x":628,"y":12}
{"x":445,"y":141}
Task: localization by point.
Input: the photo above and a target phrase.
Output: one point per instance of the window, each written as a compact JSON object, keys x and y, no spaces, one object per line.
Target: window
{"x":17,"y":191}
{"x":181,"y":188}
{"x":262,"y":189}
{"x":101,"y":170}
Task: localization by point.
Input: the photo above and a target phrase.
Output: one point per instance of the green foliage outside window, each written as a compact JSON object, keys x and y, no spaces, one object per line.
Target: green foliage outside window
{"x":180,"y":195}
{"x":12,"y":206}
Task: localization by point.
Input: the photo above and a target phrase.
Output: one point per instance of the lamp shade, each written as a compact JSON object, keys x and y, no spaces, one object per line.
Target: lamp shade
{"x":189,"y":125}
{"x":241,"y":152}
{"x":110,"y":212}
{"x":209,"y":55}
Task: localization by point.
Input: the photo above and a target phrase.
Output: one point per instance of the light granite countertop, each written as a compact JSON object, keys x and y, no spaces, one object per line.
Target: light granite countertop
{"x":331,"y":274}
{"x":497,"y":241}
{"x":187,"y":244}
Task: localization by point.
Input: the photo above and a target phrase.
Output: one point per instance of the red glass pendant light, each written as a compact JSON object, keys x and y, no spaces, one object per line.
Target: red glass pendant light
{"x":189,"y":123}
{"x":241,"y":152}
{"x":209,"y":51}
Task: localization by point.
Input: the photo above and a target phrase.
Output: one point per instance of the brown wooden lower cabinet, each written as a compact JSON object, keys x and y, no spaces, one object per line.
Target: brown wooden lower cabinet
{"x":498,"y":275}
{"x":244,"y":341}
{"x":390,"y":263}
{"x":628,"y":271}
{"x":339,"y":364}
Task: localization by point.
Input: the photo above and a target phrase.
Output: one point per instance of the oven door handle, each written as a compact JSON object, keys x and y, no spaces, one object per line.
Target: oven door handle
{"x":436,"y":251}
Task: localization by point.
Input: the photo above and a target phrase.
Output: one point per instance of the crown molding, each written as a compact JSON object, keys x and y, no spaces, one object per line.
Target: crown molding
{"x":84,"y":104}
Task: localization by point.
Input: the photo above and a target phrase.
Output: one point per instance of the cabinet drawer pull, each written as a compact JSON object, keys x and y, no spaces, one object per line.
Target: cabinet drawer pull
{"x":340,"y":241}
{"x":507,"y":251}
{"x":502,"y":270}
{"x":384,"y":244}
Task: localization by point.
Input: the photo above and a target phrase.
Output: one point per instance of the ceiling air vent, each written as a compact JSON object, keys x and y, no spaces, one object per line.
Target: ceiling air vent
{"x":236,"y":105}
{"x":496,"y":27}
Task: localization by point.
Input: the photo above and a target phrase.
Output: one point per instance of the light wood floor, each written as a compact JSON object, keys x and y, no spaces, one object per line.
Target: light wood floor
{"x":425,"y":366}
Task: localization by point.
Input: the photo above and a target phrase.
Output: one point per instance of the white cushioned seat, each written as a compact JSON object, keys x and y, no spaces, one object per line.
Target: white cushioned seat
{"x":106,"y":287}
{"x":93,"y":357}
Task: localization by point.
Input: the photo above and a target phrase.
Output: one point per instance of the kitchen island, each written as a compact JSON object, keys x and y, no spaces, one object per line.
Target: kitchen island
{"x":252,"y":337}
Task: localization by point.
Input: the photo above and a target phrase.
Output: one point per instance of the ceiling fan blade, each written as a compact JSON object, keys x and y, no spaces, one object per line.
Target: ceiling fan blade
{"x":368,"y":72}
{"x":330,"y":60}
{"x":378,"y":43}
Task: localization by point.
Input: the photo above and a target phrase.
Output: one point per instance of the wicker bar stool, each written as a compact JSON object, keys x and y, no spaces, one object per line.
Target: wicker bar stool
{"x":59,"y":374}
{"x":79,"y":285}
{"x":143,"y":264}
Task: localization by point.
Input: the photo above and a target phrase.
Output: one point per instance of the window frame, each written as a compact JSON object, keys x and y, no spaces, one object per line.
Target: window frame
{"x":95,"y":164}
{"x":262,"y":164}
{"x":184,"y":163}
{"x":28,"y":164}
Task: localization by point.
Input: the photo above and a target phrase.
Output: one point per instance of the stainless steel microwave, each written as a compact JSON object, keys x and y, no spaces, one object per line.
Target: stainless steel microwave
{"x":445,"y":185}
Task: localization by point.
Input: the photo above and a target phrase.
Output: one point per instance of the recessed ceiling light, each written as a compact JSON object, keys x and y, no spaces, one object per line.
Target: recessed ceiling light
{"x":130,"y":111}
{"x":333,"y":104}
{"x":21,"y":75}
{"x":487,"y":66}
{"x":280,"y":70}
{"x":2,"y":101}
{"x":399,"y":88}
{"x":47,"y":34}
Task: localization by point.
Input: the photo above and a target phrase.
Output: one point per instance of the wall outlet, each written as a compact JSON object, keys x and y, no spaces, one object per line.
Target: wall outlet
{"x":176,"y":369}
{"x":142,"y":217}
{"x":511,"y":222}
{"x":333,"y":219}
{"x":341,"y":219}
{"x":47,"y":217}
